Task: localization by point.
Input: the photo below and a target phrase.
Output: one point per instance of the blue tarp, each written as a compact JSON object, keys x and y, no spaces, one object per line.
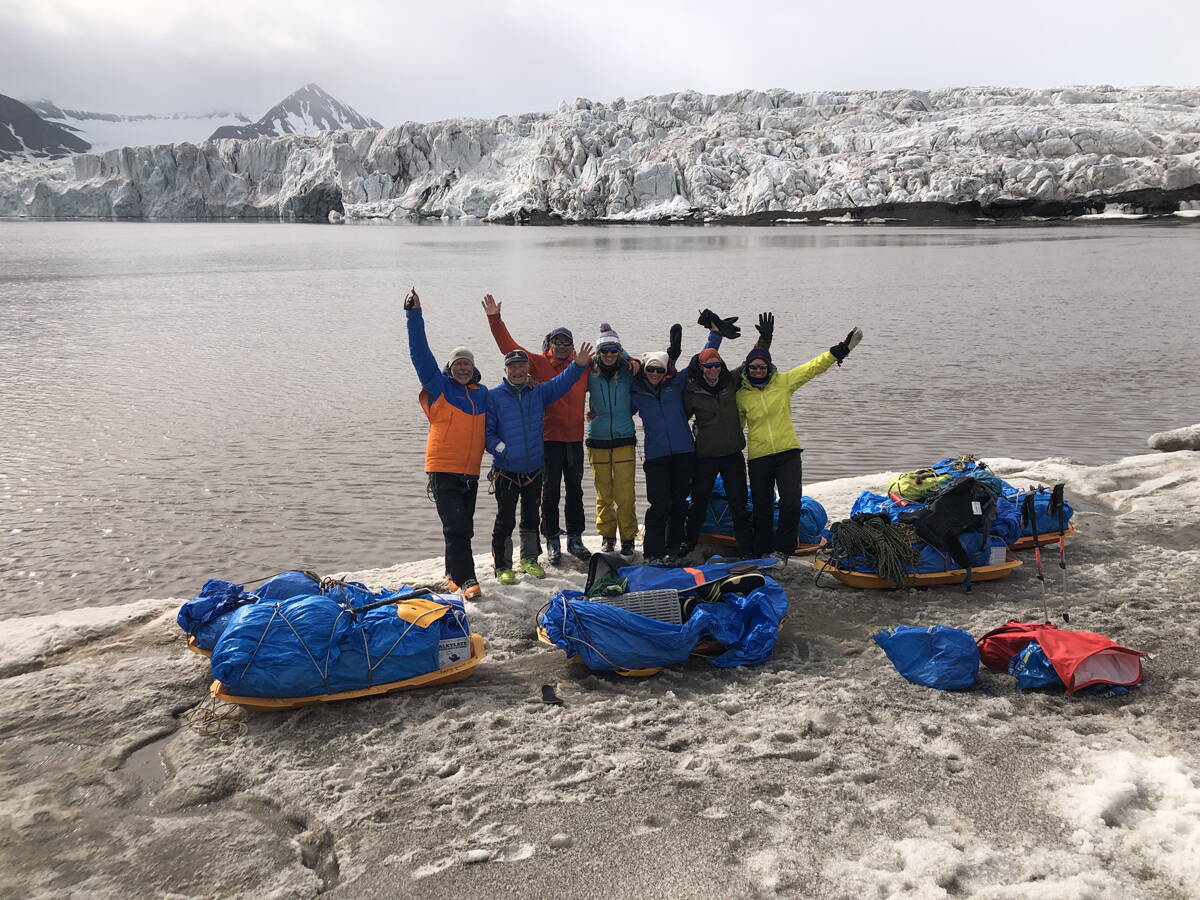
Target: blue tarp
{"x":1032,"y":669}
{"x":935,"y":656}
{"x":607,"y":638}
{"x":1046,"y":523}
{"x":312,"y":644}
{"x":718,"y":520}
{"x":1006,"y":525}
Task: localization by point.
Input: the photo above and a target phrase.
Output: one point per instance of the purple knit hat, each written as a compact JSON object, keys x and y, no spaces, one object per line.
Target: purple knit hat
{"x":759,"y":353}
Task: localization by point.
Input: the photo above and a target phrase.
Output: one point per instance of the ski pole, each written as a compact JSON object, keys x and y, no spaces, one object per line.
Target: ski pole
{"x":1056,"y":504}
{"x":1029,"y":516}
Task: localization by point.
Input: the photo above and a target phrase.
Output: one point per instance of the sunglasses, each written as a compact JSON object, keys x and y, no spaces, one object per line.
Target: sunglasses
{"x":757,"y":367}
{"x":710,"y":365}
{"x":609,"y":350}
{"x":562,"y":342}
{"x":655,"y":370}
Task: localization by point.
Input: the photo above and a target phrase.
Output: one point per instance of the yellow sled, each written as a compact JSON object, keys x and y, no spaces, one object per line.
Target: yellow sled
{"x":928,"y":579}
{"x":1026,"y":543}
{"x":725,"y":540}
{"x":628,"y":673}
{"x":448,"y":675}
{"x":191,"y":645}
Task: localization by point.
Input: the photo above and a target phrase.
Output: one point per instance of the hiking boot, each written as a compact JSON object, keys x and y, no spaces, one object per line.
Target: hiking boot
{"x":609,"y":545}
{"x":506,"y":576}
{"x":554,"y":551}
{"x":471,"y":589}
{"x":450,"y":584}
{"x":627,"y":550}
{"x":532,"y":567}
{"x":658,"y":561}
{"x":577,"y":548}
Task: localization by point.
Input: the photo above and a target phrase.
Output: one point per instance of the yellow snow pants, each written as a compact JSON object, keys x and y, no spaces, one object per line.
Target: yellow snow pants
{"x":613,"y":471}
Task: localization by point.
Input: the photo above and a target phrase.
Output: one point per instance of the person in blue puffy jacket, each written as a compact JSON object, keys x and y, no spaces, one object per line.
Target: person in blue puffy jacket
{"x":515,"y":413}
{"x":657,"y":396}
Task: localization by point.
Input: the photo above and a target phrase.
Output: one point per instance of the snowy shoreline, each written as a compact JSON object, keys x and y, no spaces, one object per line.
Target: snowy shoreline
{"x":821,"y":773}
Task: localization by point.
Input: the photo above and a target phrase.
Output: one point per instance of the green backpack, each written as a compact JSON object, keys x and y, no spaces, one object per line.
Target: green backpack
{"x":918,"y":485}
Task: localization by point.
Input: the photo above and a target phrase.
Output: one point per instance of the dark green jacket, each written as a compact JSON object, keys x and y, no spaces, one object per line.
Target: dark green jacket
{"x":715,"y":425}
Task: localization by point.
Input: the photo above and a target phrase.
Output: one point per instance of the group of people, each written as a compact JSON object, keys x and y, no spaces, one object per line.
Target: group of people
{"x":551,"y":405}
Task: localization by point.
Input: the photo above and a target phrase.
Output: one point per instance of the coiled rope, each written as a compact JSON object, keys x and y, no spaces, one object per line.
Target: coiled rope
{"x":887,"y":547}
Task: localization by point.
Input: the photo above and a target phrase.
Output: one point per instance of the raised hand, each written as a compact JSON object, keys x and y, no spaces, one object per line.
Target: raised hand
{"x":412,"y":301}
{"x":766,"y":328}
{"x":841,"y":350}
{"x":491,"y":306}
{"x":675,"y":348}
{"x":583,"y":355}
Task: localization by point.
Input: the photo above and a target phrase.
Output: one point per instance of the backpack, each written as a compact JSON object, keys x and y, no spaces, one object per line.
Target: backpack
{"x":917,"y":485}
{"x":964,"y":506}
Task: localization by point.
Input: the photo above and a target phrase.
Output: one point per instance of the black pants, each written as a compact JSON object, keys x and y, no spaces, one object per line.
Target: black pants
{"x":455,"y":496}
{"x":564,"y":463}
{"x":782,"y":471}
{"x":668,"y":480}
{"x":511,"y":487}
{"x":732,"y":469}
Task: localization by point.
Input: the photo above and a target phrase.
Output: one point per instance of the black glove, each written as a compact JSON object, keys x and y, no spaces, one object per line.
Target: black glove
{"x":766,"y":328}
{"x":842,"y":350}
{"x":727,"y":329}
{"x":676,"y":346}
{"x":707,"y":318}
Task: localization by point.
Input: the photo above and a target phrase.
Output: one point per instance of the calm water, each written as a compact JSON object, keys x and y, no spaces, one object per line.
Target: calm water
{"x":182,"y":401}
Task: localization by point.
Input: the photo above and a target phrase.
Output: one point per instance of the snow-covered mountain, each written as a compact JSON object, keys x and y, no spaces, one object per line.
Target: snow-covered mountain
{"x":309,"y":110}
{"x":25,"y":135}
{"x":104,"y":131}
{"x":948,"y":155}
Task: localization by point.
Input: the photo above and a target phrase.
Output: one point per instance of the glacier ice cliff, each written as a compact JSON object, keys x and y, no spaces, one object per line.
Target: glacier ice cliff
{"x":750,"y":155}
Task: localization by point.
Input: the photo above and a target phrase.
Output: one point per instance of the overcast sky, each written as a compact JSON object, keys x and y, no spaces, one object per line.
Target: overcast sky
{"x":423,"y":61}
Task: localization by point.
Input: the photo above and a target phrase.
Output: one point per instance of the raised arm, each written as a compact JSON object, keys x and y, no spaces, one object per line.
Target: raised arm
{"x":560,"y":385}
{"x":500,"y":333}
{"x":418,"y":346}
{"x":766,"y":330}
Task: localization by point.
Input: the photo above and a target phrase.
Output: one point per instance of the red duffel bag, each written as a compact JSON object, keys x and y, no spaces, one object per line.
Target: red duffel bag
{"x":1080,"y":658}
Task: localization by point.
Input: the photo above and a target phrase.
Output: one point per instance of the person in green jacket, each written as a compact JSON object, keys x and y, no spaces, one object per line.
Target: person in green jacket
{"x":764,"y":401}
{"x":710,"y":401}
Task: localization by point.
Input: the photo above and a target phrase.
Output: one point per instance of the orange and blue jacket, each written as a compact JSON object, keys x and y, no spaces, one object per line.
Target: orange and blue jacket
{"x":456,"y":412}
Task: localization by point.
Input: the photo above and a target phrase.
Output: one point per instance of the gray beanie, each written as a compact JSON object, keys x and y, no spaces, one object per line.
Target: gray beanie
{"x":461,"y":353}
{"x":607,"y":336}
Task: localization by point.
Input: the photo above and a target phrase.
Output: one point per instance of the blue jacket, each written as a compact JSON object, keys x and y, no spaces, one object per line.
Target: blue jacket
{"x":608,"y":398}
{"x":455,"y":411}
{"x":514,"y":418}
{"x":664,"y":422}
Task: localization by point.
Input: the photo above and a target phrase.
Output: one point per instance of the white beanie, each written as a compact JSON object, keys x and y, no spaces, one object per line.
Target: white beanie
{"x":656,"y":358}
{"x":607,"y":336}
{"x":461,"y":353}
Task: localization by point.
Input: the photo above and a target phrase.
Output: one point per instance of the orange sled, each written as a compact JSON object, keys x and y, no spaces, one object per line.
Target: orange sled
{"x":628,"y":673}
{"x":928,"y":579}
{"x":1027,"y":543}
{"x":448,"y":675}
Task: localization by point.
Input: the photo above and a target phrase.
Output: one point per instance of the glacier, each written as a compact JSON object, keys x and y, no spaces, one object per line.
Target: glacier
{"x":755,"y":156}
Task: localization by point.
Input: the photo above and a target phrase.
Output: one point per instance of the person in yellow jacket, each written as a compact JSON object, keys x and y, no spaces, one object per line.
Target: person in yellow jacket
{"x":764,"y":402}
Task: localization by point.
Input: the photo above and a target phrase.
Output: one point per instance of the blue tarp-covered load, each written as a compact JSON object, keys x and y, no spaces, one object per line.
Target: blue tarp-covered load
{"x":1004,"y":529}
{"x":205,"y":616}
{"x":606,"y":637}
{"x":718,"y":519}
{"x":344,"y":638}
{"x":1047,"y":512}
{"x":934,"y":656}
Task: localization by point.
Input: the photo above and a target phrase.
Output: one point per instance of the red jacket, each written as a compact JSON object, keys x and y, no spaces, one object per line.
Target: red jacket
{"x":564,"y":418}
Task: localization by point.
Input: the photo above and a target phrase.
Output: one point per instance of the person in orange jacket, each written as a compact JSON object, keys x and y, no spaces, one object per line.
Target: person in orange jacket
{"x":562,"y":434}
{"x":456,"y":405}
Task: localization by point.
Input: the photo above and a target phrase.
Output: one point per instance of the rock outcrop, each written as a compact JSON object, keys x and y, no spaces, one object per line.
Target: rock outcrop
{"x":1179,"y":439}
{"x":26,"y":135}
{"x":309,"y":110}
{"x":753,"y":155}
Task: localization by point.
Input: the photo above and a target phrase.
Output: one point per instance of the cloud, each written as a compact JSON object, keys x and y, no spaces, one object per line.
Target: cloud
{"x":431,"y":61}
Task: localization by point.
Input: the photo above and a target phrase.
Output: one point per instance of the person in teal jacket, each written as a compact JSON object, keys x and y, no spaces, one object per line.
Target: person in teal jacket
{"x":515,"y":414}
{"x":611,"y":442}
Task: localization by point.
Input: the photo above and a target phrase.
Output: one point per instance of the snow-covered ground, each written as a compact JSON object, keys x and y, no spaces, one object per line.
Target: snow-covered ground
{"x":705,"y":156}
{"x":820,"y":774}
